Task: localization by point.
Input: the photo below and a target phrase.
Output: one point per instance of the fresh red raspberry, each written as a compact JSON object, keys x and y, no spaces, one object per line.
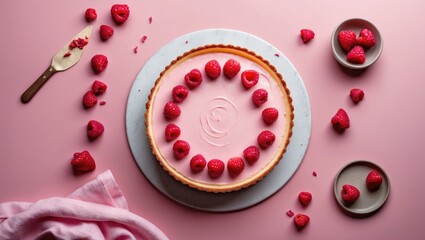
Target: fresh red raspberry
{"x":301,"y":220}
{"x":340,"y":121}
{"x":99,"y":62}
{"x":259,"y":97}
{"x":266,"y":139}
{"x":181,"y":149}
{"x":356,"y":95}
{"x":373,"y":180}
{"x":94,"y":129}
{"x":251,"y":154}
{"x":120,"y":13}
{"x":172,"y":131}
{"x":193,"y":78}
{"x":213,"y":69}
{"x":235,"y":166}
{"x":90,"y":14}
{"x":215,"y":168}
{"x":180,"y":93}
{"x":106,"y":32}
{"x":197,"y":163}
{"x":231,"y":68}
{"x":171,"y":111}
{"x":349,"y":193}
{"x":89,"y":99}
{"x":249,"y":78}
{"x":270,"y":115}
{"x":304,"y":198}
{"x":347,"y":39}
{"x":83,"y":162}
{"x":306,"y":35}
{"x":98,"y":87}
{"x":356,"y":55}
{"x":366,"y":38}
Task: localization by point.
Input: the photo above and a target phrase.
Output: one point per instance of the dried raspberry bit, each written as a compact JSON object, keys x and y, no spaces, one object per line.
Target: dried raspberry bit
{"x":172,"y":131}
{"x":90,"y":14}
{"x":78,"y":43}
{"x":136,"y":49}
{"x":143,"y":39}
{"x":276,"y":55}
{"x":101,"y":103}
{"x":266,"y":139}
{"x":259,"y":97}
{"x":180,"y":93}
{"x":150,"y":20}
{"x":251,"y":154}
{"x":171,"y":111}
{"x":67,"y":54}
{"x":181,"y":149}
{"x":193,"y":78}
{"x":290,"y":213}
{"x":197,"y":163}
{"x":314,"y":174}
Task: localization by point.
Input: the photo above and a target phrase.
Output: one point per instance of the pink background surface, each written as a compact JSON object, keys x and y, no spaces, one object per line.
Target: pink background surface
{"x":39,"y":139}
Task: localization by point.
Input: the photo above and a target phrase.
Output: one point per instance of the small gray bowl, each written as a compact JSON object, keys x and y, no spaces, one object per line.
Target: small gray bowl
{"x":356,"y":24}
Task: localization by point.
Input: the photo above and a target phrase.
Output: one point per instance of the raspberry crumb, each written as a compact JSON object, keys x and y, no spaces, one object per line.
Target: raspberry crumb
{"x":150,"y":20}
{"x":186,"y":42}
{"x":314,"y":173}
{"x":135,"y":49}
{"x":290,"y":213}
{"x":67,"y":54}
{"x":144,"y":38}
{"x":102,"y":103}
{"x":78,"y":43}
{"x":277,"y":55}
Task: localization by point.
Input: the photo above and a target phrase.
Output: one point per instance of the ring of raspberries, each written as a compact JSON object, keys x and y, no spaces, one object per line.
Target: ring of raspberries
{"x":181,"y":148}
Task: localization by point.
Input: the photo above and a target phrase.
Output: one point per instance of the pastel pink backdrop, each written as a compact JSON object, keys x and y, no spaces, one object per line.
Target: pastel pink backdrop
{"x":39,"y":139}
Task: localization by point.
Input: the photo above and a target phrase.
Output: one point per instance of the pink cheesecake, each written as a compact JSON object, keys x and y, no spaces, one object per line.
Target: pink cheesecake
{"x":219,"y":119}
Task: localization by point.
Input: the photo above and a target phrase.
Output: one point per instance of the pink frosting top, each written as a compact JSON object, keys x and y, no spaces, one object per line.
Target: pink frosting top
{"x":218,"y":118}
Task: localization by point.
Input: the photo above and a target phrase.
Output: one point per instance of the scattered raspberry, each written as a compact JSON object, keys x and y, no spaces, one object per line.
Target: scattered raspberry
{"x":265,"y":139}
{"x":99,"y":62}
{"x":171,"y":111}
{"x":197,"y":163}
{"x":67,"y":54}
{"x":89,"y":99}
{"x":314,"y":174}
{"x":90,"y":14}
{"x":340,"y":121}
{"x":270,"y":115}
{"x":172,"y":131}
{"x":356,"y":55}
{"x":235,"y":166}
{"x":83,"y":162}
{"x":231,"y":68}
{"x":249,"y":78}
{"x":306,"y":35}
{"x":304,"y":198}
{"x":373,"y":180}
{"x":144,"y":38}
{"x":78,"y":43}
{"x":356,"y":95}
{"x":101,"y":103}
{"x":193,"y":78}
{"x":150,"y":20}
{"x":290,"y":213}
{"x":251,"y":154}
{"x":301,"y":220}
{"x":98,"y":87}
{"x":94,"y":129}
{"x":259,"y":97}
{"x":366,"y":38}
{"x":181,"y":149}
{"x":213,"y":69}
{"x":106,"y":32}
{"x":136,"y":49}
{"x":276,"y":55}
{"x":120,"y":13}
{"x":215,"y":168}
{"x":180,"y":93}
{"x":350,"y":193}
{"x":347,"y":39}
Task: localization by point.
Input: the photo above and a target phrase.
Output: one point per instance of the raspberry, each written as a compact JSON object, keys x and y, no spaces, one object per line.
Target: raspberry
{"x":349,"y":193}
{"x":356,"y":95}
{"x":340,"y":121}
{"x":98,"y":87}
{"x":301,"y":220}
{"x":193,"y":78}
{"x":101,"y":103}
{"x":181,"y":149}
{"x":270,"y":115}
{"x":90,"y":14}
{"x":235,"y":166}
{"x":120,"y":13}
{"x":347,"y":39}
{"x":78,"y":43}
{"x":259,"y":97}
{"x":366,"y":38}
{"x":215,"y":168}
{"x":180,"y":93}
{"x":171,"y":111}
{"x":265,"y":139}
{"x":94,"y":129}
{"x":89,"y":99}
{"x":136,"y":49}
{"x":197,"y":163}
{"x":83,"y":162}
{"x":251,"y":154}
{"x":231,"y":68}
{"x":172,"y":131}
{"x":99,"y":62}
{"x":356,"y":55}
{"x":290,"y":213}
{"x":106,"y":32}
{"x":249,"y":78}
{"x":373,"y":180}
{"x":306,"y":35}
{"x":143,"y":39}
{"x":304,"y":198}
{"x":212,"y":69}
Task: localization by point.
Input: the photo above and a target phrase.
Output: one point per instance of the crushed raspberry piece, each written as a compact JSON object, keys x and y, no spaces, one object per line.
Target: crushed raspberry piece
{"x":314,"y":173}
{"x":144,"y":37}
{"x":78,"y":43}
{"x":150,"y":20}
{"x":101,"y":103}
{"x":276,"y":55}
{"x":186,"y":42}
{"x":290,"y":213}
{"x":136,"y":49}
{"x":67,"y":54}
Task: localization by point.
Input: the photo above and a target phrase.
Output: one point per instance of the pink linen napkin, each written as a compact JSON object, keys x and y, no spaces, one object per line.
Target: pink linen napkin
{"x":98,"y":210}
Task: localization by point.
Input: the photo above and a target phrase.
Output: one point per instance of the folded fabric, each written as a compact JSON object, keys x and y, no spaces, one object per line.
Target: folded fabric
{"x":98,"y":210}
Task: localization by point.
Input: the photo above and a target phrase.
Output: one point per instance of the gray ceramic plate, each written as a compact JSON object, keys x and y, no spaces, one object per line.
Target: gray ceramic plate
{"x":355,"y":174}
